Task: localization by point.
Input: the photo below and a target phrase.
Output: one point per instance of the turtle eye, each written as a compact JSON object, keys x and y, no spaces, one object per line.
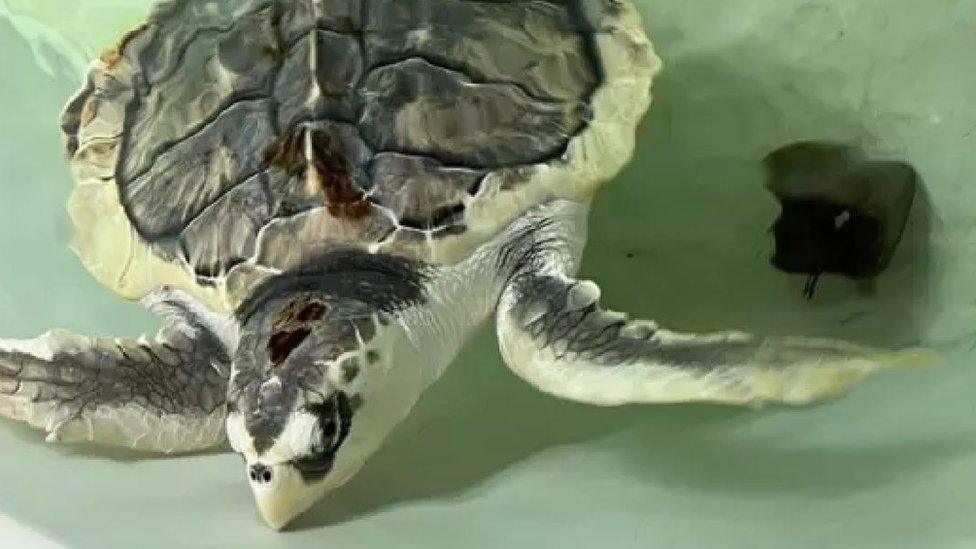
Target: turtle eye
{"x":314,"y":467}
{"x":329,"y":429}
{"x":327,"y":415}
{"x":335,"y":419}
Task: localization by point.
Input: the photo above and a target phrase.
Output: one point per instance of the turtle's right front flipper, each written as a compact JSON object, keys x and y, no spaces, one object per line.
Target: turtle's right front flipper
{"x":554,"y":333}
{"x":164,"y":395}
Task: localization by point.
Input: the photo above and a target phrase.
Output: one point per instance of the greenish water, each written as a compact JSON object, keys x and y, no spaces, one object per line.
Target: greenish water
{"x":487,"y":462}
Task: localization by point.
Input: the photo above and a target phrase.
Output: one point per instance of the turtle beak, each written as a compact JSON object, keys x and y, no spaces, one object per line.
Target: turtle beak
{"x":281,"y":494}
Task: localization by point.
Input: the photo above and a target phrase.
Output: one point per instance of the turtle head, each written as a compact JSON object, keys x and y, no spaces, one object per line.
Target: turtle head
{"x":313,"y":389}
{"x":290,"y":472}
{"x":298,"y":408}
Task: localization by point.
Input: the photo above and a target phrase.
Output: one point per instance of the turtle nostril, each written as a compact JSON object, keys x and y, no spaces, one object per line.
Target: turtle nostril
{"x":260,"y":473}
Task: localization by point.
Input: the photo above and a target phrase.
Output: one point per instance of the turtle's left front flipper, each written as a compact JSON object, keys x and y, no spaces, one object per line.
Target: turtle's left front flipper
{"x":162,"y":395}
{"x":553,"y":333}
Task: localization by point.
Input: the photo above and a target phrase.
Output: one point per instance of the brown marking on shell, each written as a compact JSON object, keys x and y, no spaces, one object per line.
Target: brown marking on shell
{"x":328,"y":171}
{"x":292,"y":325}
{"x":301,"y":312}
{"x":286,"y":154}
{"x":312,"y":312}
{"x":282,"y":343}
{"x":112,"y":57}
{"x":331,"y":174}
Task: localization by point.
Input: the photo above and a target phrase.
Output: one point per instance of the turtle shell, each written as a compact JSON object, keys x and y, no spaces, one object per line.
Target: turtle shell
{"x":223,"y":142}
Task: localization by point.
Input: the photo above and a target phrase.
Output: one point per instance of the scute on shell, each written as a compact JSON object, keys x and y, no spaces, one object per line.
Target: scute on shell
{"x":224,"y":142}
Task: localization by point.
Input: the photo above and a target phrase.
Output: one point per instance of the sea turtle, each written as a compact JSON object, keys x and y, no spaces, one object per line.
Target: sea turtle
{"x":325,"y":198}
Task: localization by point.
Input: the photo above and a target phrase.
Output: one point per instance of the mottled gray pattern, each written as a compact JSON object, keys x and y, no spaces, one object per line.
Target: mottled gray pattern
{"x":560,"y":316}
{"x":228,"y":228}
{"x":191,"y":70}
{"x":421,"y":191}
{"x":307,"y":90}
{"x":183,"y":372}
{"x":564,"y":316}
{"x":385,"y":283}
{"x":551,"y":314}
{"x":300,"y":17}
{"x":418,"y":107}
{"x":266,"y":403}
{"x":190,"y":176}
{"x":540,"y":46}
{"x":447,"y":89}
{"x":543,"y":311}
{"x":295,"y":327}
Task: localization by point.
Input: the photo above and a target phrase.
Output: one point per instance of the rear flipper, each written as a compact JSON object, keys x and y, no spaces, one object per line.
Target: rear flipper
{"x":553,"y":333}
